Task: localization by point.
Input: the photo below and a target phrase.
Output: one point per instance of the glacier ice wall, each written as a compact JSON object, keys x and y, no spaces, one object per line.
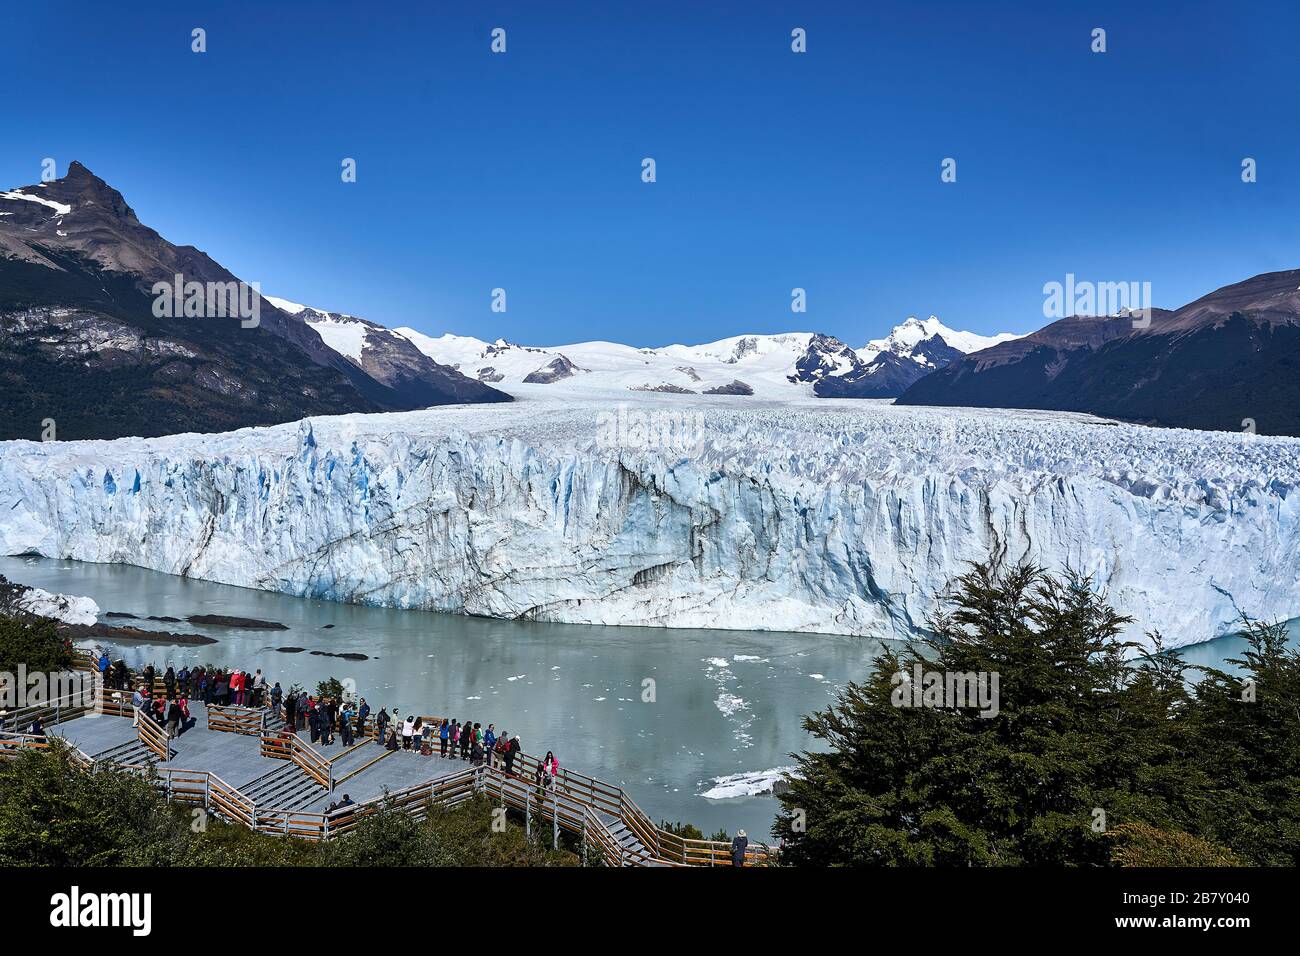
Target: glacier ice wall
{"x":840,"y":518}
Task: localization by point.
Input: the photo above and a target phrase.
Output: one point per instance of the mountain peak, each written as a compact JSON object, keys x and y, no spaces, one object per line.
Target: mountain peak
{"x":85,"y":192}
{"x":907,"y":337}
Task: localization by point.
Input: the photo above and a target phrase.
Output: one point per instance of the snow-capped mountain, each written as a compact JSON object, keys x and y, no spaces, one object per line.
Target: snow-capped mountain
{"x":771,"y":366}
{"x":915,"y":337}
{"x":784,"y":365}
{"x":389,"y":358}
{"x":888,"y":367}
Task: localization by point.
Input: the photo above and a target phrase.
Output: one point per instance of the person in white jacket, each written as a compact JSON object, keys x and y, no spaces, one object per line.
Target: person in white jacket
{"x":408,"y":730}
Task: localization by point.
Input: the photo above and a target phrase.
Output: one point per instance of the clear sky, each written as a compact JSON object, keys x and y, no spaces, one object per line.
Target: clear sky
{"x":775,"y":170}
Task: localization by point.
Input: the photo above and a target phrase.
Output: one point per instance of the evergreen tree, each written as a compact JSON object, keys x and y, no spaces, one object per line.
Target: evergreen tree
{"x":1085,"y":737}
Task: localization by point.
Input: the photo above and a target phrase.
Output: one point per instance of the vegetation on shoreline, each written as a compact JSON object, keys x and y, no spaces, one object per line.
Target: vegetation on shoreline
{"x":1090,"y":759}
{"x":54,"y":814}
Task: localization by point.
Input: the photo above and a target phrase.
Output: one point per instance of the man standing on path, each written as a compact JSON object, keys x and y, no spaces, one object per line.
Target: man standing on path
{"x":738,"y":846}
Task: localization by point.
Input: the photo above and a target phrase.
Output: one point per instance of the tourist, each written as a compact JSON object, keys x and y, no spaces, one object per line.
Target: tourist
{"x":137,"y":703}
{"x":444,"y":732}
{"x":183,"y":681}
{"x":173,"y":712}
{"x":326,"y":722}
{"x":169,"y":682}
{"x":738,"y":846}
{"x":392,"y":741}
{"x":381,"y":722}
{"x":512,"y":751}
{"x":221,"y":689}
{"x":186,"y":721}
{"x":37,"y":729}
{"x":276,"y":696}
{"x":408,"y":728}
{"x":417,"y":733}
{"x":103,"y":664}
{"x":550,"y":770}
{"x":345,"y":725}
{"x":466,"y":738}
{"x":503,"y":744}
{"x":290,"y":712}
{"x":363,"y":711}
{"x":455,"y":737}
{"x":313,"y":721}
{"x":259,"y":688}
{"x":489,"y":745}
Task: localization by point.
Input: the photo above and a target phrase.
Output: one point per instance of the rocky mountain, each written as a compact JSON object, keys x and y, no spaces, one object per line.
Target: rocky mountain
{"x":887,"y":367}
{"x":1229,"y":361}
{"x":389,"y":358}
{"x":87,"y":352}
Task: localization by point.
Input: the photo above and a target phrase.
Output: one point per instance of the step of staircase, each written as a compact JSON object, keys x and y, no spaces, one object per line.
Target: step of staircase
{"x":284,"y":788}
{"x":131,"y":752}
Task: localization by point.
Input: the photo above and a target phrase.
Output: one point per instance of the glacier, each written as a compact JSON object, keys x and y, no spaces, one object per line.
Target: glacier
{"x":845,"y":517}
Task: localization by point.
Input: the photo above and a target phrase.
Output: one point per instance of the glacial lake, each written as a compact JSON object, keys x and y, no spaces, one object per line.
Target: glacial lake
{"x":725,"y":702}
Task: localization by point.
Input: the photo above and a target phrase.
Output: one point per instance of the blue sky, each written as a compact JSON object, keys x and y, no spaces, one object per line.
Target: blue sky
{"x":775,"y":170}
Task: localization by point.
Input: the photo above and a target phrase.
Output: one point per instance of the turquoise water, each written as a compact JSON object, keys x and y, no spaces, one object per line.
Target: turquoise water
{"x":724,"y":702}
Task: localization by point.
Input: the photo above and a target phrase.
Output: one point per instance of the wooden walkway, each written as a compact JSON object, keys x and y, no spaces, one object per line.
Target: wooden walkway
{"x":244,"y":766}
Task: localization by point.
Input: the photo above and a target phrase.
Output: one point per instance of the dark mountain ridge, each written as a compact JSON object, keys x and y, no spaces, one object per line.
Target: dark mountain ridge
{"x":1228,"y":361}
{"x":81,"y":344}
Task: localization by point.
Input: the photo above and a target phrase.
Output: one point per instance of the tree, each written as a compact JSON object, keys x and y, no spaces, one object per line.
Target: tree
{"x":33,"y":642}
{"x":1247,"y":740}
{"x":1082,"y":738}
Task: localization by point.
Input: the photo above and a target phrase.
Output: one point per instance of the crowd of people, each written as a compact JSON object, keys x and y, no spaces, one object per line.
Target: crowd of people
{"x":212,"y":686}
{"x":171,"y":708}
{"x":328,"y":719}
{"x":325,"y":718}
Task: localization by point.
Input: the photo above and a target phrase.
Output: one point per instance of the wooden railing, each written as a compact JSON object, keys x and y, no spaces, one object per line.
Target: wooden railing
{"x":277,"y":746}
{"x":236,"y":720}
{"x":311,"y":762}
{"x":154,"y":737}
{"x":13,"y":744}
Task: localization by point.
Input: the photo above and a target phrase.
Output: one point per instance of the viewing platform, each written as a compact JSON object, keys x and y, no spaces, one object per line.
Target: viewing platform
{"x":244,"y":765}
